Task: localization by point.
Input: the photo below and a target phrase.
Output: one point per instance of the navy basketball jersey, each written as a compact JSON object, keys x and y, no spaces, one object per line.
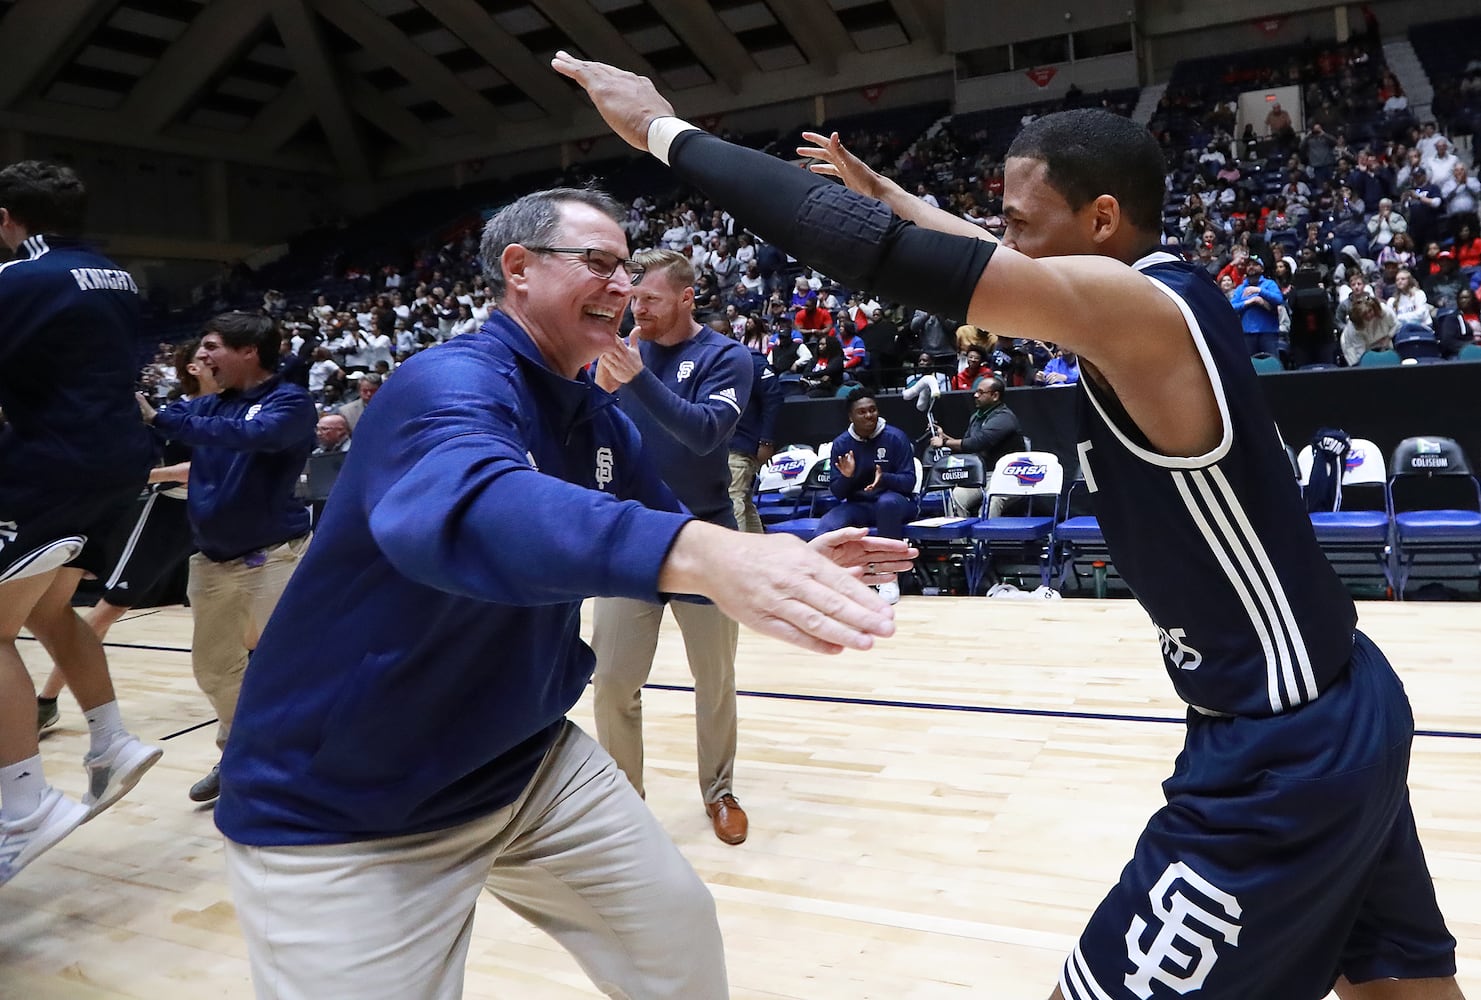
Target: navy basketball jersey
{"x":1218,"y":548}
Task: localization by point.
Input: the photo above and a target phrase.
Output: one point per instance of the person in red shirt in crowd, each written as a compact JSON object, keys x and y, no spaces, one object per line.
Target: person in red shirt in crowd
{"x":976,"y":368}
{"x":812,"y":320}
{"x":1235,"y":268}
{"x":1467,"y":247}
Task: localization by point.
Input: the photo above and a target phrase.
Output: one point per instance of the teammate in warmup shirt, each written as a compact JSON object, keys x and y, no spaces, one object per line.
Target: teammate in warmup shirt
{"x":1286,"y":860}
{"x":73,"y":457}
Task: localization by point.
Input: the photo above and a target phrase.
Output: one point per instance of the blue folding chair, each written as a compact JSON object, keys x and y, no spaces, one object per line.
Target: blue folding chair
{"x":814,"y":495}
{"x":1435,"y":502}
{"x":942,"y":539}
{"x":1081,"y":545}
{"x":1356,"y":536}
{"x":1034,"y":480}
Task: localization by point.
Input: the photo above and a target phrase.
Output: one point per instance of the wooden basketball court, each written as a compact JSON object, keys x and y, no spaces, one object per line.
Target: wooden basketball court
{"x":934,"y":819}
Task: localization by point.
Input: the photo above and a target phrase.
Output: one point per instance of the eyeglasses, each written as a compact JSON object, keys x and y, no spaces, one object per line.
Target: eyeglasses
{"x":601,"y":263}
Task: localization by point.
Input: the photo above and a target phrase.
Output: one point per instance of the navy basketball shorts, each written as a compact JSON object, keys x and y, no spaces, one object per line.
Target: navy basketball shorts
{"x":158,"y":540}
{"x":40,"y":534}
{"x":1286,"y":856}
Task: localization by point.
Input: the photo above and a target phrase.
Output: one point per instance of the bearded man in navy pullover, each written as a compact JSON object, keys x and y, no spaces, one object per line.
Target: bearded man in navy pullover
{"x":401,"y":740}
{"x":685,"y":387}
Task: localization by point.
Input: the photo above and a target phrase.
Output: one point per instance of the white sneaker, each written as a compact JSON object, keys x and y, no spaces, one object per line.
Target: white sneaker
{"x":890,"y":591}
{"x":114,"y":771}
{"x":24,"y":840}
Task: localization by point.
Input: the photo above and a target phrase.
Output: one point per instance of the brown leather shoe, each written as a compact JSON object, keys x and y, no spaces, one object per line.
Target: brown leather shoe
{"x":728,"y":819}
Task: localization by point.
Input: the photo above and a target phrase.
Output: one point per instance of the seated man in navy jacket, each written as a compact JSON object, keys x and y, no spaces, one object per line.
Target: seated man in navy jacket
{"x":874,"y":476}
{"x":401,"y":739}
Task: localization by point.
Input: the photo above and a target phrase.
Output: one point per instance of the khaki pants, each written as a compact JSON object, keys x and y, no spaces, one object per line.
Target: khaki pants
{"x":578,"y":855}
{"x":231,"y":603}
{"x":743,"y":469}
{"x":625,"y":638}
{"x":970,"y":502}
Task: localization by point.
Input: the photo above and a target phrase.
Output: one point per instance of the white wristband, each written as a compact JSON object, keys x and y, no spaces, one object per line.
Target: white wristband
{"x":662,"y":132}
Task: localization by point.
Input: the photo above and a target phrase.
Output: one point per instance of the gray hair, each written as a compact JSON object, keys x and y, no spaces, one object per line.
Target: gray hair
{"x":534,"y":220}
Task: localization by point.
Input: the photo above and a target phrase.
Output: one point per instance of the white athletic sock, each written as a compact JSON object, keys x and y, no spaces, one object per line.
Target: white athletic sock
{"x":104,"y":724}
{"x":21,"y":788}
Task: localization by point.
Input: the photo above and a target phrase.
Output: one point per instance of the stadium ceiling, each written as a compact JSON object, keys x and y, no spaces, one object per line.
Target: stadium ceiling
{"x":371,"y":88}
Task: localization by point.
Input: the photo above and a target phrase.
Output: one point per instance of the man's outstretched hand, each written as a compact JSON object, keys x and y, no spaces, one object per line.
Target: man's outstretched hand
{"x":627,"y":102}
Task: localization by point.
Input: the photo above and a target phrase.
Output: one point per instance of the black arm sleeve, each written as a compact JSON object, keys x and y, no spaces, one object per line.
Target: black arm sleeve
{"x":850,"y":238}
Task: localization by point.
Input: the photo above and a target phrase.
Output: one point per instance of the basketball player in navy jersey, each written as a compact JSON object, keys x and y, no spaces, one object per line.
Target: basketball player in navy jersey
{"x":1286,"y":861}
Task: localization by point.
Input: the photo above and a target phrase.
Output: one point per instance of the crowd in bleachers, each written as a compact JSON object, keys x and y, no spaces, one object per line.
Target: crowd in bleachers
{"x":1354,"y":237}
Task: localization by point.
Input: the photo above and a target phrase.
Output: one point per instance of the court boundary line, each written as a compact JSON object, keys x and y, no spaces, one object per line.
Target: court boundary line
{"x":924,"y":706}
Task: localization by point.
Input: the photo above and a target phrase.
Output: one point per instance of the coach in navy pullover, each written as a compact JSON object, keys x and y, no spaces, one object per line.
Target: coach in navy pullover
{"x":686,"y":400}
{"x":415,"y":678}
{"x":437,"y":527}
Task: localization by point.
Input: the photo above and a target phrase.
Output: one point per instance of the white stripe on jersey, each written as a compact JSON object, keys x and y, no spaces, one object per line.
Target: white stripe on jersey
{"x":128,"y":549}
{"x":36,"y":245}
{"x":727,"y":396}
{"x":1076,"y":981}
{"x":1215,"y":545}
{"x":1287,"y":616}
{"x":1230,"y":536}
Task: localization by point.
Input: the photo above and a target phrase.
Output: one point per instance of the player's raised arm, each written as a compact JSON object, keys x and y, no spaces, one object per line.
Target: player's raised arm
{"x":861,"y":242}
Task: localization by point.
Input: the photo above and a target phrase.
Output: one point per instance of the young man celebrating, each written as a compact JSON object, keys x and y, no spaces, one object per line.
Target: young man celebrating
{"x":251,"y":441}
{"x":1288,"y":838}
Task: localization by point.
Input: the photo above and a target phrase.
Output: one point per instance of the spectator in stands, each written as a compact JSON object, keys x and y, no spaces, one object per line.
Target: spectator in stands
{"x":1370,"y":327}
{"x":1317,"y":151}
{"x":881,"y":338}
{"x":827,"y":374}
{"x":322,"y":371}
{"x":1461,"y":192}
{"x":1411,"y":162}
{"x":1257,"y":301}
{"x":1278,"y":126}
{"x":812,"y":320}
{"x":975,"y":368}
{"x":1443,"y":161}
{"x":855,"y":353}
{"x":366,"y":386}
{"x":465,"y":323}
{"x":1443,"y":286}
{"x":785,"y":350}
{"x":1401,"y":251}
{"x":1354,"y":286}
{"x":333,"y":434}
{"x":992,"y":433}
{"x":1467,"y":248}
{"x":801,"y":290}
{"x":873,"y":476}
{"x":1062,"y":369}
{"x":1424,"y":205}
{"x":1466,"y":304}
{"x":1409,"y":304}
{"x":1385,"y":224}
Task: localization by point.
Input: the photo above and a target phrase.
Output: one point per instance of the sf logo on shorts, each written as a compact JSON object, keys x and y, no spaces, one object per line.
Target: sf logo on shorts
{"x":9,"y":530}
{"x":604,"y":468}
{"x":1190,"y":912}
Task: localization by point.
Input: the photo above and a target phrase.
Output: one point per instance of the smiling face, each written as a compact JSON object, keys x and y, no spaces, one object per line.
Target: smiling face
{"x":571,"y":314}
{"x":228,"y":367}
